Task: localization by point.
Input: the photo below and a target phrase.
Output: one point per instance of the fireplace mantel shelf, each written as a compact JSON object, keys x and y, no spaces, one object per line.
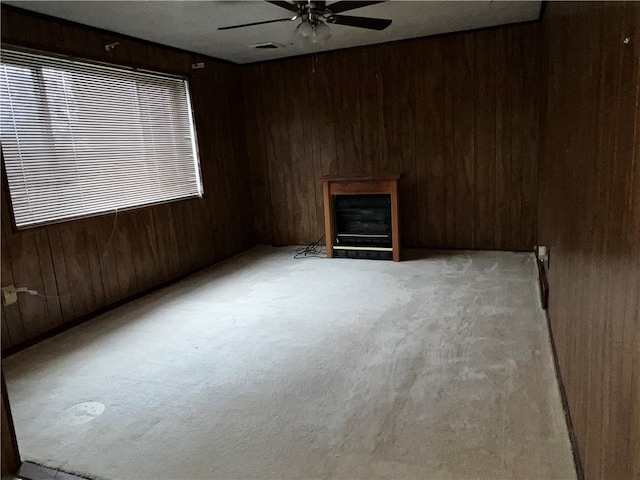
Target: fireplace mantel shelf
{"x":360,"y":178}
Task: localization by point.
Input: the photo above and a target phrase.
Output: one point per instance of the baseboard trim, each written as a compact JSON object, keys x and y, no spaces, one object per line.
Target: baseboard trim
{"x":544,"y":298}
{"x":34,"y":471}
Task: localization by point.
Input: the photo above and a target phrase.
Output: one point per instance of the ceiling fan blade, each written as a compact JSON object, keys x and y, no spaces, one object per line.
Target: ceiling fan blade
{"x":344,"y":6}
{"x":360,"y":22}
{"x":257,"y":23}
{"x":286,"y":5}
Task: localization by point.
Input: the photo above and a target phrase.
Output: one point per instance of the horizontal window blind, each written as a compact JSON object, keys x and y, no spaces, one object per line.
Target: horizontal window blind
{"x":80,"y":139}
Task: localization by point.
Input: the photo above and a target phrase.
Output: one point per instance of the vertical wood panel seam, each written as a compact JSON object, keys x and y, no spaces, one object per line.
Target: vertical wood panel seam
{"x":48,"y":296}
{"x":473,"y":142}
{"x":521,"y":186}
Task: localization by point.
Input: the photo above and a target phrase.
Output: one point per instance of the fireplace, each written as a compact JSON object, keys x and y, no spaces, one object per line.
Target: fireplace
{"x":361,"y":218}
{"x":363,"y":221}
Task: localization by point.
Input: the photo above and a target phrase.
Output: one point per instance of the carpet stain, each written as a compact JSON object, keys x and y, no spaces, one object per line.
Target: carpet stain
{"x":83,"y":413}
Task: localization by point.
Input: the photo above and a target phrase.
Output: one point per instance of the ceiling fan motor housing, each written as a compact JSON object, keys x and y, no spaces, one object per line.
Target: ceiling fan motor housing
{"x":314,"y":12}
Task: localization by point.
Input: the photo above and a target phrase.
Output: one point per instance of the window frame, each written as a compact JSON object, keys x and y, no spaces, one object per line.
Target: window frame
{"x":187,"y":77}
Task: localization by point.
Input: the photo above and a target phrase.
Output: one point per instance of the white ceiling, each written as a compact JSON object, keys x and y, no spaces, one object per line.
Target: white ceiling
{"x":192,"y":25}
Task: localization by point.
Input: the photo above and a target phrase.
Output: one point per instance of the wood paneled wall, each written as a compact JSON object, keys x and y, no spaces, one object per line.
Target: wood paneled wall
{"x":10,"y":455}
{"x":590,"y":219}
{"x":85,"y":265}
{"x":457,"y":114}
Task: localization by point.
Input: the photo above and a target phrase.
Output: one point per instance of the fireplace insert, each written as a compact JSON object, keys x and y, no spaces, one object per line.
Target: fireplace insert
{"x":363,"y":226}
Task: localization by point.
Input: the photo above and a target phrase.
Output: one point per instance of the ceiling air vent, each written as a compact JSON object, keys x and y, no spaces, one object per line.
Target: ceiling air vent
{"x":267,"y":45}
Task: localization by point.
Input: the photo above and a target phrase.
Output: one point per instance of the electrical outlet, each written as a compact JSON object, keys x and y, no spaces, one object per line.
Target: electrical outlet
{"x":9,"y":295}
{"x":543,"y":254}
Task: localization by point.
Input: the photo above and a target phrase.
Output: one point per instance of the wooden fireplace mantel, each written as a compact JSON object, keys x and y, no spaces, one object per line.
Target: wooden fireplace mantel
{"x":360,"y":185}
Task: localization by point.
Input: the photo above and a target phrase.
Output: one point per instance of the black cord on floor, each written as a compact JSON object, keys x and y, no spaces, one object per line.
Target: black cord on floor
{"x":314,"y":249}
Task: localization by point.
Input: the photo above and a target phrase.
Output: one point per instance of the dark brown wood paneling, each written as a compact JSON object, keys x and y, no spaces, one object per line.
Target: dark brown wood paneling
{"x":456,"y":114}
{"x":504,"y":104}
{"x":485,"y":137}
{"x":517,"y":59}
{"x":448,"y":115}
{"x":25,"y":267}
{"x":12,"y":327}
{"x":463,"y":121}
{"x":531,"y":78}
{"x":256,"y":143}
{"x":83,"y":266}
{"x":430,"y":81}
{"x":590,"y":219}
{"x":10,"y":453}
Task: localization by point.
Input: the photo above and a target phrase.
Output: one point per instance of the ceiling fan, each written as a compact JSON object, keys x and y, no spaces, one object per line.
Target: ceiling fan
{"x":315,"y":15}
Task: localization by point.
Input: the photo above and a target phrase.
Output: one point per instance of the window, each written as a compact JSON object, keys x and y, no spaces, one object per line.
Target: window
{"x":79,"y":139}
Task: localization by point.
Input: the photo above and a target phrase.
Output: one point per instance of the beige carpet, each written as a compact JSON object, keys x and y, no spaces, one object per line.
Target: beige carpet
{"x":438,"y":367}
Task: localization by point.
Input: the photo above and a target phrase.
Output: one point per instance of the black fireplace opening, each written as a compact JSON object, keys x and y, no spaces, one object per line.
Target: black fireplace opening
{"x":363,"y":226}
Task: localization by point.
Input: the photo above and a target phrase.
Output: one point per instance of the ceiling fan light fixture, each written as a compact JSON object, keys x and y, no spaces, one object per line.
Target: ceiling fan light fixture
{"x":304,"y":29}
{"x":321,"y":32}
